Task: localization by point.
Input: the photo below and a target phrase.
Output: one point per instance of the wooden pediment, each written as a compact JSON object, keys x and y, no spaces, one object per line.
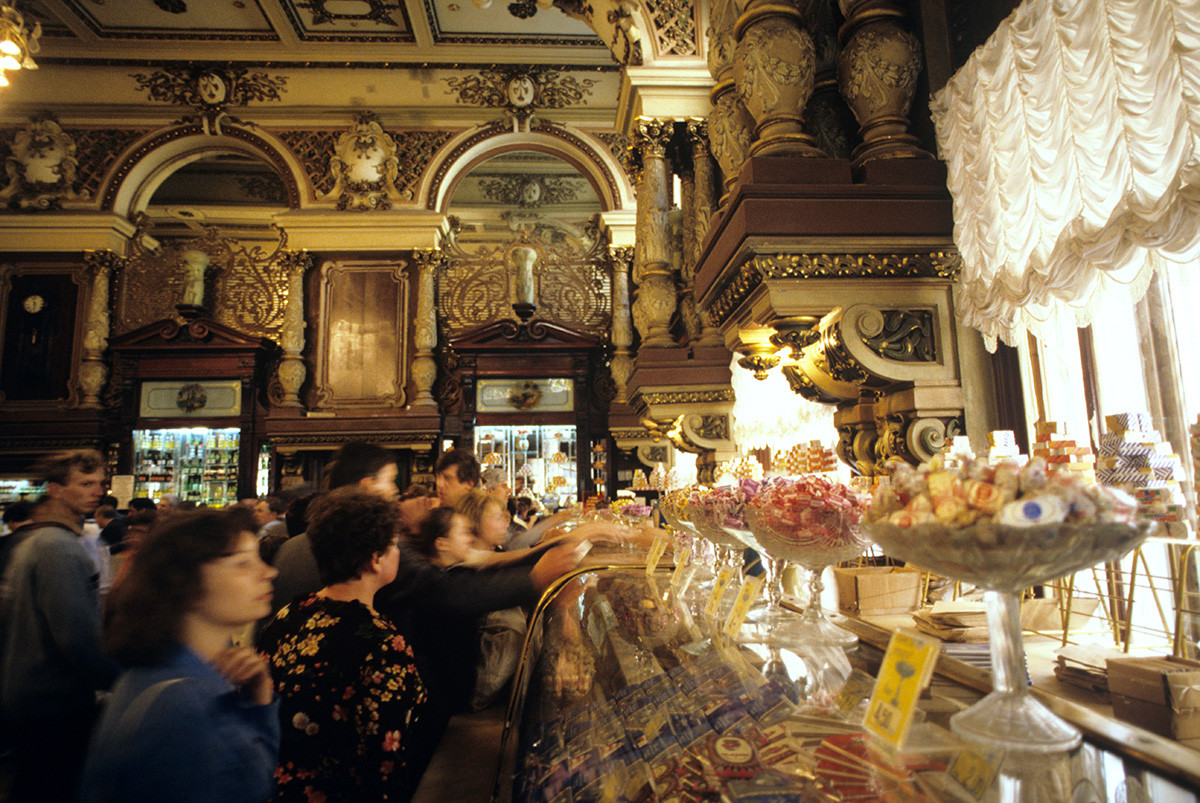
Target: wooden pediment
{"x":196,"y":334}
{"x":535,"y":334}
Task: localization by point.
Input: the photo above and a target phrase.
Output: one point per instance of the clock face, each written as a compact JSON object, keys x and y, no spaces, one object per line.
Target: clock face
{"x":34,"y":303}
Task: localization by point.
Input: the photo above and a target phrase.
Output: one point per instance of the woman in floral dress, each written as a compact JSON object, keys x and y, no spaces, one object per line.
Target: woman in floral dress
{"x":351,"y":697}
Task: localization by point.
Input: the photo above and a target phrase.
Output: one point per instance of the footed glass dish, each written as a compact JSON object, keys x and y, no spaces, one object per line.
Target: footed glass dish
{"x":1005,"y":560}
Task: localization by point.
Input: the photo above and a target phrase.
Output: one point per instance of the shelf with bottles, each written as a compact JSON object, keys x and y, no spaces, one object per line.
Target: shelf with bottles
{"x":197,"y":464}
{"x":535,"y":460}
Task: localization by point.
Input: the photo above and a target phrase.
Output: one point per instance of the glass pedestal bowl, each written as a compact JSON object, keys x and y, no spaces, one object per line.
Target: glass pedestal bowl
{"x":812,"y":552}
{"x":1005,"y":561}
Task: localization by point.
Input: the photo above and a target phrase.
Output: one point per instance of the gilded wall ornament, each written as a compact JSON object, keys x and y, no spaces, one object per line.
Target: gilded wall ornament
{"x":897,"y":334}
{"x":365,"y":166}
{"x":740,"y":284}
{"x":573,"y":281}
{"x":210,"y":90}
{"x":689,"y":396}
{"x":40,"y":166}
{"x":245,"y":285}
{"x":674,"y":24}
{"x":324,"y":11}
{"x":521,"y":91}
{"x":529,"y":191}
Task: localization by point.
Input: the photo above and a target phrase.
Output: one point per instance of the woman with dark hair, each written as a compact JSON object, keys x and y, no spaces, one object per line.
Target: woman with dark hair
{"x":191,"y":719}
{"x":351,"y":696}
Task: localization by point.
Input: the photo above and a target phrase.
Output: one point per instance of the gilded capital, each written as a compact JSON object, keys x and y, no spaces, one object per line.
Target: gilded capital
{"x":652,"y":136}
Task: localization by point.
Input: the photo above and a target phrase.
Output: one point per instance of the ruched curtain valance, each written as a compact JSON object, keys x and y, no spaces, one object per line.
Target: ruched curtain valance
{"x":1071,"y":141}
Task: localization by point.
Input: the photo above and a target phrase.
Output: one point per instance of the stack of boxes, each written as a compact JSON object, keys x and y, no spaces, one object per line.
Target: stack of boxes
{"x":805,"y":458}
{"x":1062,"y":453}
{"x":957,"y":451}
{"x":1134,"y":457}
{"x":1002,"y":445}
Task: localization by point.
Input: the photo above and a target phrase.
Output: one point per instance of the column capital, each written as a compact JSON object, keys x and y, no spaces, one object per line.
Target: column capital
{"x":652,"y":136}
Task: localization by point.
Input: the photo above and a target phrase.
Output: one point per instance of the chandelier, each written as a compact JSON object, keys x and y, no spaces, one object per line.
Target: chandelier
{"x":17,"y":43}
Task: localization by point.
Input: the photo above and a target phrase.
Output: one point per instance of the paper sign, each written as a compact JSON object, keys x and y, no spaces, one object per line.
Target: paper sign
{"x":976,"y":771}
{"x":656,"y":551}
{"x":724,"y":578}
{"x":749,"y":592}
{"x":907,"y":666}
{"x":121,"y":486}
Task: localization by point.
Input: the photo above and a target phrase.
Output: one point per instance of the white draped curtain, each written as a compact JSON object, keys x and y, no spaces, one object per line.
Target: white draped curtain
{"x":1071,"y":141}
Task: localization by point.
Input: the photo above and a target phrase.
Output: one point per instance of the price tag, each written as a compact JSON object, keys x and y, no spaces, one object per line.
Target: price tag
{"x":975,"y":770}
{"x":656,"y":551}
{"x":724,"y":578}
{"x":684,"y":570}
{"x":749,"y":591}
{"x":907,"y":666}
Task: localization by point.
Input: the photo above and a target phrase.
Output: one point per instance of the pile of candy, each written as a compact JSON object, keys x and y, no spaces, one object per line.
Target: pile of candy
{"x":630,"y":509}
{"x":1008,"y":493}
{"x":809,"y":510}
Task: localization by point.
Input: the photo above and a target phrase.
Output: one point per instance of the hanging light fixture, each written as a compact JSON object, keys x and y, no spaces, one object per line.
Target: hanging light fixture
{"x":17,"y":43}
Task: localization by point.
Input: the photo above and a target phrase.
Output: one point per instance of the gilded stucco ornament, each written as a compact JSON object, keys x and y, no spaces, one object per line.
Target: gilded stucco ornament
{"x":41,"y":166}
{"x":210,"y":90}
{"x":521,"y":91}
{"x":365,"y":166}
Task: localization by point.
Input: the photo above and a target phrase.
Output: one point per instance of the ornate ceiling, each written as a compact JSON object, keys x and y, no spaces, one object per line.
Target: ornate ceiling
{"x":322,"y":31}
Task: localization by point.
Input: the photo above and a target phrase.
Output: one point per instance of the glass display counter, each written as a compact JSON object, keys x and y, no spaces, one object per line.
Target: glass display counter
{"x":625,"y":695}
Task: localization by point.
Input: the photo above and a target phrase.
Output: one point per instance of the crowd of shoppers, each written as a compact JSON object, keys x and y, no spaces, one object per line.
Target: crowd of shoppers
{"x":358,"y":610}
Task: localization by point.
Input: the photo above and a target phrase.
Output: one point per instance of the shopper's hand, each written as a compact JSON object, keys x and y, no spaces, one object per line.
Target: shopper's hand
{"x":249,"y":671}
{"x":557,"y":561}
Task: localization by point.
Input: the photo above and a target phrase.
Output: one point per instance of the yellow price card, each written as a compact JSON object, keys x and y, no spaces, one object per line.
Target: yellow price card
{"x":724,"y":578}
{"x":749,"y":592}
{"x":976,"y":771}
{"x":907,"y":666}
{"x":656,"y":551}
{"x":685,"y":570}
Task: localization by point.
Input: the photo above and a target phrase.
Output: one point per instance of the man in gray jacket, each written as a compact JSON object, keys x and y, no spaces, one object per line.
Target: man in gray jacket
{"x":51,"y":659}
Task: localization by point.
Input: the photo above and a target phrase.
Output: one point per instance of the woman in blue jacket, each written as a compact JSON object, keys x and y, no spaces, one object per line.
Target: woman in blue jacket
{"x":191,"y":719}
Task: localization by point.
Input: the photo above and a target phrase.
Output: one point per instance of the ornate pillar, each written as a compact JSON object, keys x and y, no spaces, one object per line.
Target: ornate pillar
{"x":292,"y":370}
{"x":774,"y":64}
{"x":92,"y":369}
{"x":425,"y":340}
{"x":652,"y":269}
{"x":700,"y":211}
{"x":877,"y":74}
{"x":621,"y":364}
{"x":730,"y":125}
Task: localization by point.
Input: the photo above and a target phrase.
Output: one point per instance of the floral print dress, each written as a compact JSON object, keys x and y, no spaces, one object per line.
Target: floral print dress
{"x":350,"y":702}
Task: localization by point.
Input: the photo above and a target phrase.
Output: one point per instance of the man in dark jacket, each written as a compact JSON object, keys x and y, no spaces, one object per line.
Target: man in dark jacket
{"x":51,"y":659}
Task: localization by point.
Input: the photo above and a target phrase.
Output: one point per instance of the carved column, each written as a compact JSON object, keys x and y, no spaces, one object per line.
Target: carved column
{"x":730,"y":125}
{"x":292,"y":370}
{"x":877,"y":74}
{"x":621,"y":365}
{"x":700,"y":211}
{"x":652,"y":270}
{"x":425,"y":340}
{"x":92,"y":369}
{"x":774,"y":64}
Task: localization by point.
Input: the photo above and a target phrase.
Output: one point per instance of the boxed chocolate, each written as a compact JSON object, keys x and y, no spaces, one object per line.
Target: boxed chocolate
{"x":878,"y":589}
{"x":1161,"y":695}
